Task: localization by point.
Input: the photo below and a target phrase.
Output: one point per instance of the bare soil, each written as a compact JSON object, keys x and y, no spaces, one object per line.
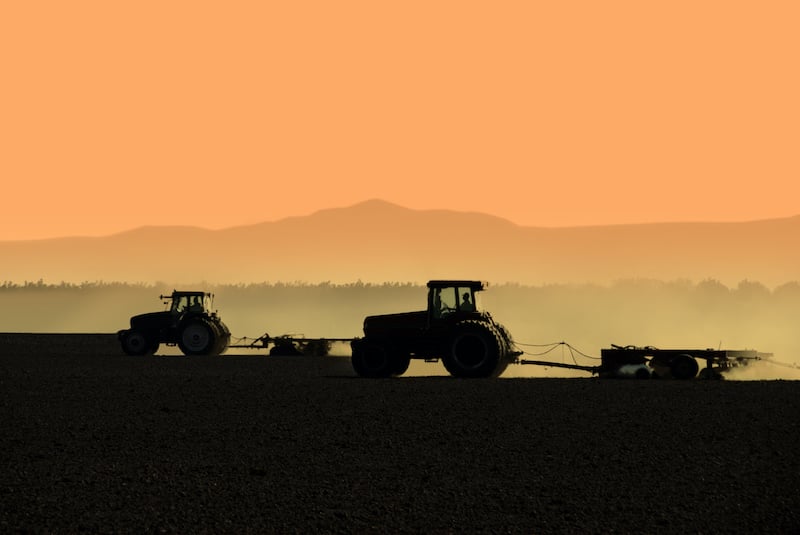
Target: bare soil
{"x":96,"y":441}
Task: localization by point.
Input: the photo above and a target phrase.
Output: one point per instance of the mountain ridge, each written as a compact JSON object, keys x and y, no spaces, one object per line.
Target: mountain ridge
{"x":380,"y":241}
{"x":379,"y":206}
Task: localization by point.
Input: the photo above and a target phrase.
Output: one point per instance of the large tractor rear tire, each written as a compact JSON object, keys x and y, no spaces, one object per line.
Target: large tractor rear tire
{"x":501,"y":367}
{"x":371,"y":360}
{"x":475,"y":351}
{"x":223,"y":335}
{"x":135,"y":343}
{"x":197,"y":337}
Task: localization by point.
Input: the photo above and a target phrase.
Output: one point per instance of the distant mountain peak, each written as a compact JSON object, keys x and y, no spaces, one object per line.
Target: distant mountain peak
{"x":370,"y":206}
{"x":377,"y":203}
{"x":376,"y":208}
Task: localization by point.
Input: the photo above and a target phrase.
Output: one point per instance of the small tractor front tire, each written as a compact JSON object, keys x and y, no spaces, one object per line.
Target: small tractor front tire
{"x":135,"y":343}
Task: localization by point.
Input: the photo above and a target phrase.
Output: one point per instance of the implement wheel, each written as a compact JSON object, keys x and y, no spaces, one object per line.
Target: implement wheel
{"x":683,"y":367}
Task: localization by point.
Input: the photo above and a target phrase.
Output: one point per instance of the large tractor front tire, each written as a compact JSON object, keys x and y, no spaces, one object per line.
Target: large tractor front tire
{"x":475,"y":351}
{"x":371,"y":360}
{"x":197,"y":337}
{"x":135,"y":343}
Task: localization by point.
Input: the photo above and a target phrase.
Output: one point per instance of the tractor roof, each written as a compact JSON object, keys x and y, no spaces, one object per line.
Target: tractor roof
{"x":476,"y":286}
{"x":178,"y":293}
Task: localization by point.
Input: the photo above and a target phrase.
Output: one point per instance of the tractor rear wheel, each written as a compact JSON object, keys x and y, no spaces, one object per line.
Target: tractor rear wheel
{"x":197,"y":337}
{"x":135,"y":343}
{"x":223,"y":337}
{"x":474,"y":351}
{"x":371,"y":360}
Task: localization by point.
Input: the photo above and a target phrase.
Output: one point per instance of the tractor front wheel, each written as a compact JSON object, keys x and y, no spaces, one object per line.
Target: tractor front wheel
{"x":400,"y":362}
{"x":134,"y":342}
{"x":371,"y":360}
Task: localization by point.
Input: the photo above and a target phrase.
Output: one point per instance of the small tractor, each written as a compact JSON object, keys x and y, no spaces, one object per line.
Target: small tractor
{"x":189,"y":323}
{"x":468,"y":341}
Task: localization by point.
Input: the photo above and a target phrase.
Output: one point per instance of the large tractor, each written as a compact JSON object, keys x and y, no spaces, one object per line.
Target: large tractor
{"x":468,"y":341}
{"x":188,"y":323}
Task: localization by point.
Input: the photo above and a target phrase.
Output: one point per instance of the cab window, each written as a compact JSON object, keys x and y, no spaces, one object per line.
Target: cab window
{"x":196,"y":303}
{"x":179,"y":304}
{"x":444,"y":302}
{"x":466,"y":300}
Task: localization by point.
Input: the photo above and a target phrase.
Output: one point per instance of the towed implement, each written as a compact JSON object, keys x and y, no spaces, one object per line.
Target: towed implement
{"x":650,"y":362}
{"x":675,"y":363}
{"x":290,"y":345}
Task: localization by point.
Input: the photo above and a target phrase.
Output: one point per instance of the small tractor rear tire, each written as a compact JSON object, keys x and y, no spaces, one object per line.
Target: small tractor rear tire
{"x":371,"y":360}
{"x":223,"y":337}
{"x":475,"y":351}
{"x":197,"y":337}
{"x":135,"y":343}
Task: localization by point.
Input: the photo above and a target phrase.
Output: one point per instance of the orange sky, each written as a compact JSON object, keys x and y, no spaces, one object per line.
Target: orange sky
{"x":120,"y":114}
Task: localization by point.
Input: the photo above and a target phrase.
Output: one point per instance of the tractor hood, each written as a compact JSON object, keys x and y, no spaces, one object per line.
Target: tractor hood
{"x":151,"y":320}
{"x":395,"y":324}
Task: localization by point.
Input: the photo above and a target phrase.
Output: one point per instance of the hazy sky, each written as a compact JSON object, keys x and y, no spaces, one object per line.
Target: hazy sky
{"x":120,"y":114}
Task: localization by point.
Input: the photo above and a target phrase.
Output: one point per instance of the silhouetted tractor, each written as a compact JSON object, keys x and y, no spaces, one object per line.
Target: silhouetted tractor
{"x":189,"y":323}
{"x":468,"y":341}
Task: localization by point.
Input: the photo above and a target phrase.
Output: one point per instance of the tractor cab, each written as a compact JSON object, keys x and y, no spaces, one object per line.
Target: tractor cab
{"x":452,"y":299}
{"x":181,"y":303}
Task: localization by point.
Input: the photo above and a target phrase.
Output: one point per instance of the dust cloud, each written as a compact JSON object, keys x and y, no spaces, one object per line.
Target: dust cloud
{"x":676,"y":314}
{"x":766,"y":370}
